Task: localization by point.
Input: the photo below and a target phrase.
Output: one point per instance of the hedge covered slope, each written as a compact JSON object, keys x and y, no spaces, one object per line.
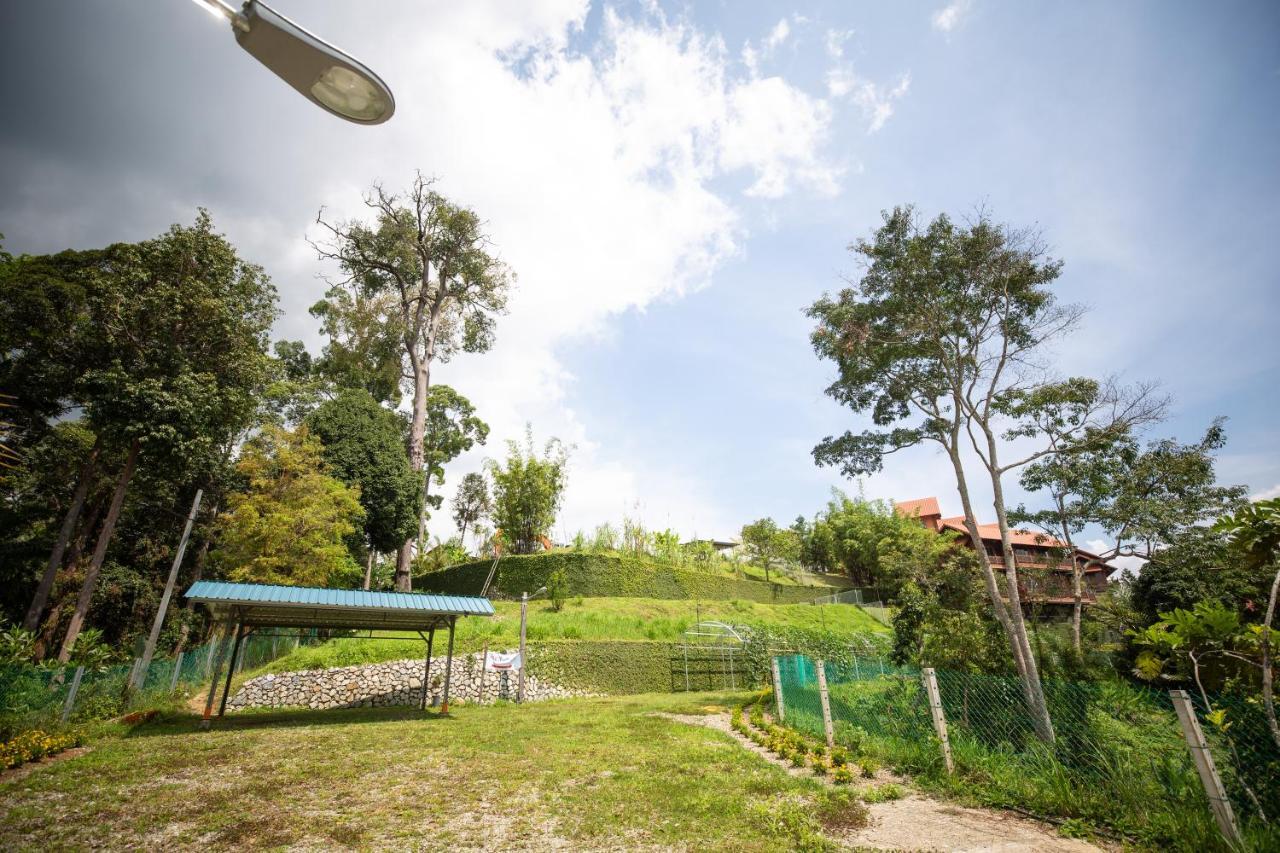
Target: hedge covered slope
{"x":595,"y":575}
{"x":613,"y":667}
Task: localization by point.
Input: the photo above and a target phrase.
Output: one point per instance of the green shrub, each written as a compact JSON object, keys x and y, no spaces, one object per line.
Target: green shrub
{"x":839,"y":756}
{"x":868,"y":766}
{"x":842,"y":775}
{"x":613,"y":667}
{"x":883,"y":793}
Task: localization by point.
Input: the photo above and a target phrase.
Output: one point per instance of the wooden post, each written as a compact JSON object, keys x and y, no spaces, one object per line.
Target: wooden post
{"x":133,"y":675}
{"x":777,"y":692}
{"x":214,"y":642}
{"x":448,"y":668}
{"x":939,"y":719}
{"x":826,"y":704}
{"x":1203,"y":759}
{"x":71,"y":693}
{"x":150,"y":649}
{"x":524,"y":614}
{"x":177,"y":669}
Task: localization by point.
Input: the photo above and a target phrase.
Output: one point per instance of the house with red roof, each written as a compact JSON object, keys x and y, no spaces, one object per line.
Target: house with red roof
{"x":1044,"y":564}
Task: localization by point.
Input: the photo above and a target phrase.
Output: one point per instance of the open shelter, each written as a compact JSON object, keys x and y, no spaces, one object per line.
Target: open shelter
{"x":246,"y":608}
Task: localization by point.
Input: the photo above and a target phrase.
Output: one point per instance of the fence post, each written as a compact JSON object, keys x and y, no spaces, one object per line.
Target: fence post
{"x":777,"y":693}
{"x":826,"y":704}
{"x":1203,"y":758}
{"x":71,"y":693}
{"x":939,"y":719}
{"x":177,"y":668}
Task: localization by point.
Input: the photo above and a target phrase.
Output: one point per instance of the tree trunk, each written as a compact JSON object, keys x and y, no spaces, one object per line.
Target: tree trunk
{"x":41,"y":597}
{"x":368,"y":570}
{"x":1268,"y":694}
{"x":1077,"y":579}
{"x":988,"y":573}
{"x":1031,"y":684}
{"x":99,"y":554}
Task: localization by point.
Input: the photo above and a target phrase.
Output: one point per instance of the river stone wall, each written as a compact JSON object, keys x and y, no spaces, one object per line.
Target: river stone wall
{"x":392,"y":683}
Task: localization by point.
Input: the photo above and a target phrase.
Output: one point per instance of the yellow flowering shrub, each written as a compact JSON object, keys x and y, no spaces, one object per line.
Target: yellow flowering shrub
{"x":34,"y":745}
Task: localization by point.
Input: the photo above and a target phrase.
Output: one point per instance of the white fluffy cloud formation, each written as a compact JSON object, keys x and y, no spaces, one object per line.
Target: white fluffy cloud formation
{"x":875,"y":100}
{"x":951,"y":16}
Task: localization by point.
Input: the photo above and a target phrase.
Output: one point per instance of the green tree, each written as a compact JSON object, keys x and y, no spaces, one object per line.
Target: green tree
{"x":940,"y":340}
{"x":422,"y":277}
{"x":471,"y":503}
{"x":452,"y":429}
{"x":1075,"y":473}
{"x":364,"y":447}
{"x":527,"y":491}
{"x":767,"y":544}
{"x":1254,"y":534}
{"x":289,"y":524}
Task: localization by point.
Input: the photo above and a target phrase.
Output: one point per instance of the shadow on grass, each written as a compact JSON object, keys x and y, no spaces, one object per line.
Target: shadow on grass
{"x":186,"y":723}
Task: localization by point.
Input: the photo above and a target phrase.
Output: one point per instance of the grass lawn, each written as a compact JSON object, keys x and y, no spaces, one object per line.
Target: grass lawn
{"x":590,"y":619}
{"x":599,"y":773}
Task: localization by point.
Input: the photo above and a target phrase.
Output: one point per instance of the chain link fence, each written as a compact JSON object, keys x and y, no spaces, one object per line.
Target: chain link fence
{"x":44,"y":697}
{"x":1120,"y":764}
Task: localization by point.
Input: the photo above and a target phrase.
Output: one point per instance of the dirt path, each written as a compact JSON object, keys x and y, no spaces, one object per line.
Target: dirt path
{"x":916,"y":822}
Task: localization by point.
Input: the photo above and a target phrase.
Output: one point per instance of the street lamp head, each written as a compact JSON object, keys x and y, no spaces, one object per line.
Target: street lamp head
{"x":323,"y":74}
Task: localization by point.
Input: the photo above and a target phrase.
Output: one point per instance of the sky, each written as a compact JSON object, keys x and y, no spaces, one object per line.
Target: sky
{"x":674,"y":183}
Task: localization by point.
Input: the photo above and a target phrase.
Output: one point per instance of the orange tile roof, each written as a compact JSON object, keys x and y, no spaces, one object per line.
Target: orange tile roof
{"x":991,"y":533}
{"x":923,"y":507}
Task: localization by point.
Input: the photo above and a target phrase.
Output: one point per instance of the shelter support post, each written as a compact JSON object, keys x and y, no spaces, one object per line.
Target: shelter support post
{"x":216,"y":649}
{"x":231,"y":668}
{"x":426,"y":668}
{"x":448,"y":667}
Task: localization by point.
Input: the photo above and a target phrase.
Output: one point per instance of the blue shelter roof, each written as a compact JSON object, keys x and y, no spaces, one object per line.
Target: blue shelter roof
{"x":314,"y":607}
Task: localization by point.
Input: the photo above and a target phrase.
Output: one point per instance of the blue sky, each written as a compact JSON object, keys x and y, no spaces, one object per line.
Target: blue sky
{"x":674,"y":183}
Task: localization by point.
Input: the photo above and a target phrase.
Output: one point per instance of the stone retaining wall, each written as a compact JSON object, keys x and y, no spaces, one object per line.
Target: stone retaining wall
{"x":392,"y":683}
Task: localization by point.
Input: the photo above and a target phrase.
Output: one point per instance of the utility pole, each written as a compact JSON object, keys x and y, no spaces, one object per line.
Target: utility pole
{"x":140,"y":676}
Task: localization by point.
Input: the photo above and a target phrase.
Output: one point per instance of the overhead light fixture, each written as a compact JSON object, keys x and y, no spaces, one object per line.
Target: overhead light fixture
{"x":323,"y":74}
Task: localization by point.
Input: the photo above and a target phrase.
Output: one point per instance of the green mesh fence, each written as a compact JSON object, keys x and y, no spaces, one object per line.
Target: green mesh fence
{"x":36,"y":697}
{"x":1119,"y":762}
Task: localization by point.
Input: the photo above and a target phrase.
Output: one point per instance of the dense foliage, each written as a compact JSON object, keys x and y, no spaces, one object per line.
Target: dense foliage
{"x":527,"y":491}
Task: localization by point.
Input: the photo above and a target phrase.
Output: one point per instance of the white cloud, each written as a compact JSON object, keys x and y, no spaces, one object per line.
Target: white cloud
{"x":874,"y":100}
{"x":835,"y":42}
{"x":1266,"y":494}
{"x":777,"y":35}
{"x":951,"y":16}
{"x":598,"y":186}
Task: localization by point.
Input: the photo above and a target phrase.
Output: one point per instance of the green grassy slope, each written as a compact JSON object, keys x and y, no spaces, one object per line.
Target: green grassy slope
{"x":597,"y":575}
{"x":595,"y":619}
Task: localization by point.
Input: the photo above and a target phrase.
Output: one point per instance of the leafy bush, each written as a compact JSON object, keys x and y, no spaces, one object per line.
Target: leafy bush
{"x":621,"y":667}
{"x":842,"y":775}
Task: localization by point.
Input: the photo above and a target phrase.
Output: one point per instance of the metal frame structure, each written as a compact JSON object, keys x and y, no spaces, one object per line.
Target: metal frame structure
{"x":248,"y":608}
{"x":714,"y":645}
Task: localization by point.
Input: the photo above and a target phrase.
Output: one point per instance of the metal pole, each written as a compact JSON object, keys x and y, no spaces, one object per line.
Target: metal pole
{"x":524,"y":614}
{"x":426,"y":670}
{"x":214,"y":641}
{"x":939,"y":719}
{"x":177,"y":668}
{"x":826,"y":704}
{"x":484,"y":662}
{"x":150,"y":649}
{"x":71,"y":693}
{"x":218,"y":645}
{"x":231,"y":668}
{"x":448,"y":668}
{"x":1203,"y":758}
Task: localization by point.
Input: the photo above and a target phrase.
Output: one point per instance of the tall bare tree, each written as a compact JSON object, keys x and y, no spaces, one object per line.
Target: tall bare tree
{"x":426,"y":270}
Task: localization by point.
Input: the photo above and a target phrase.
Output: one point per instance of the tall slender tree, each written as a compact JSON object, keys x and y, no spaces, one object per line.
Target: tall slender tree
{"x":940,"y":340}
{"x":425,"y":270}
